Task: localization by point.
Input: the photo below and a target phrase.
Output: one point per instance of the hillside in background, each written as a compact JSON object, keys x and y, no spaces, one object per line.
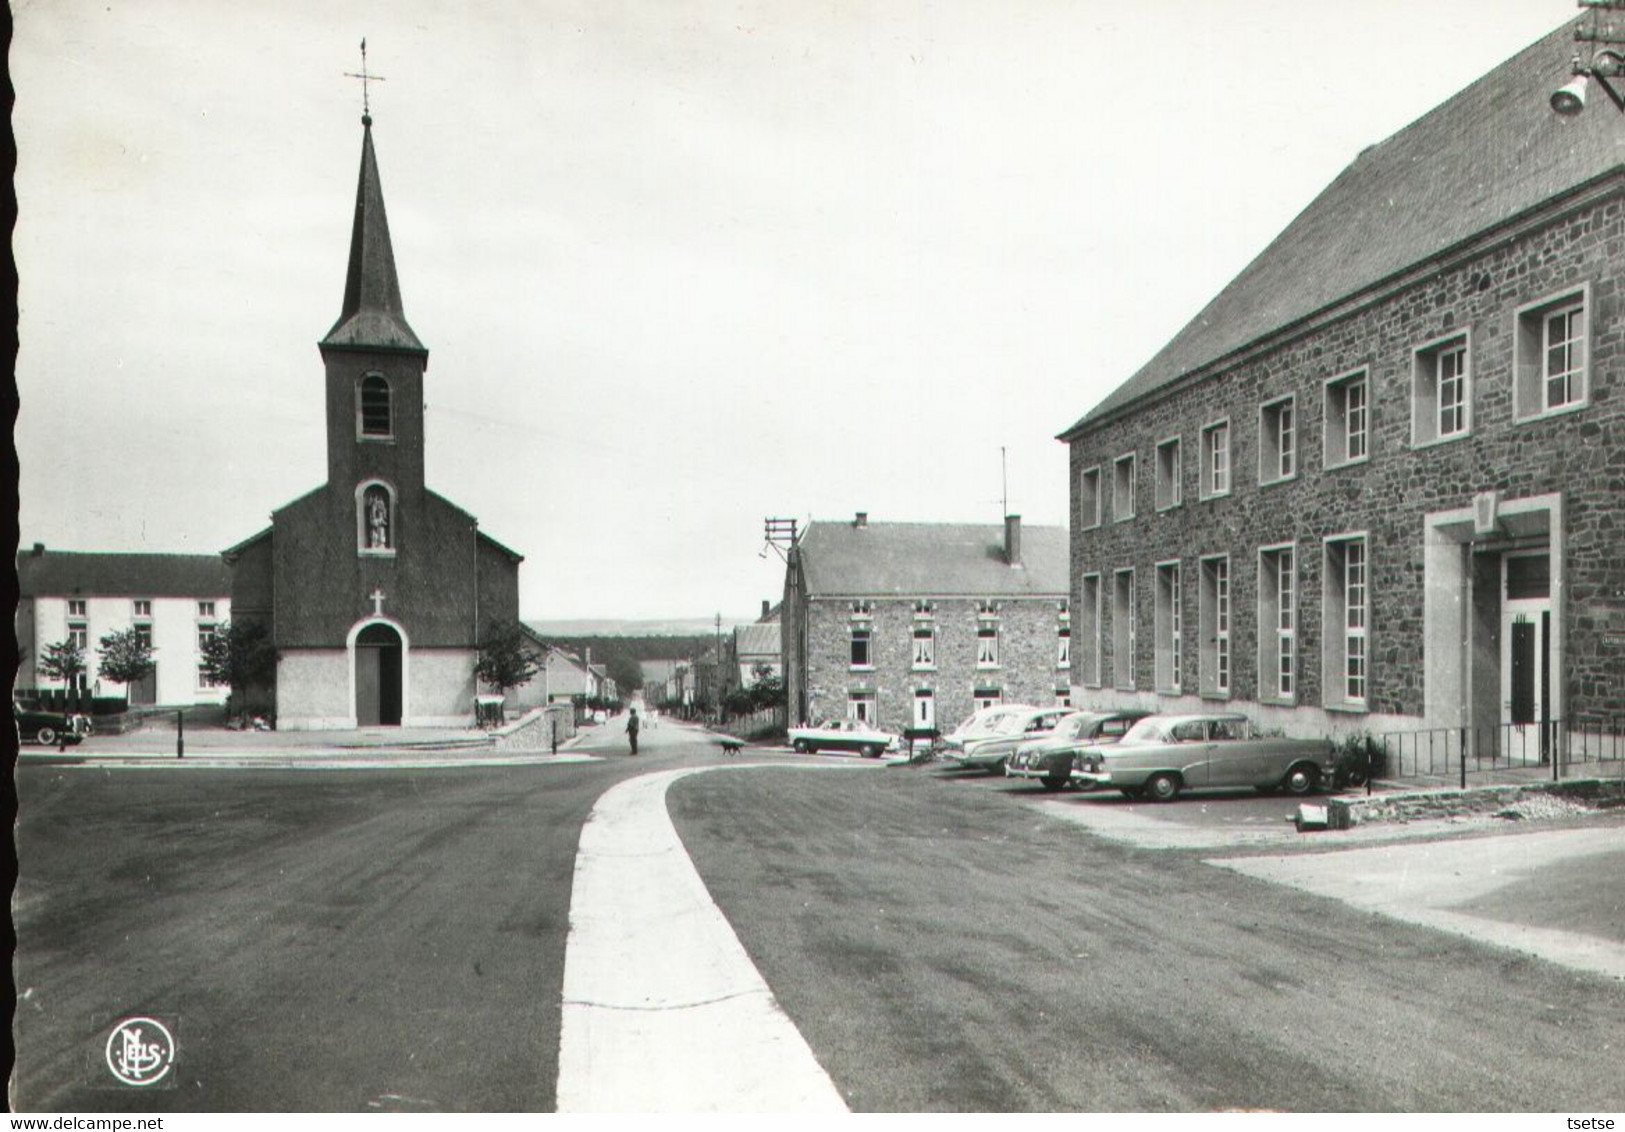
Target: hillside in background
{"x":620,"y":654}
{"x":609,"y":627}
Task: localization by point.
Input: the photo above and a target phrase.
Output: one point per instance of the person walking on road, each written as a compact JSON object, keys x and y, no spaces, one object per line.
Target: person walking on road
{"x":632,"y":729}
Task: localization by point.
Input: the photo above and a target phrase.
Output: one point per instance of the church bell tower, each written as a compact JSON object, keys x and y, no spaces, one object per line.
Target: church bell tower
{"x":375,"y":366}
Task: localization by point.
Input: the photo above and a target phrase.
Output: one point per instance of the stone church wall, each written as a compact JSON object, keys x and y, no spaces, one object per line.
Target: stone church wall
{"x":442,"y":688}
{"x":313,"y":690}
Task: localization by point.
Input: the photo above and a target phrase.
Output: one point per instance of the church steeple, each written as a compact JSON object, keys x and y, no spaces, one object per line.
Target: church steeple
{"x":372,"y":317}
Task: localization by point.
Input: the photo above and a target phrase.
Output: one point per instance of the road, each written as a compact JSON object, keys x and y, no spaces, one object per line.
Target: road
{"x":394,"y":940}
{"x":335,"y":941}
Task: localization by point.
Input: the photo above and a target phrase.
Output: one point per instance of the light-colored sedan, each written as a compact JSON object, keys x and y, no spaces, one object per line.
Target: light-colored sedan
{"x":842,"y":735}
{"x":1050,"y":760}
{"x":999,"y":734}
{"x":1165,"y":754}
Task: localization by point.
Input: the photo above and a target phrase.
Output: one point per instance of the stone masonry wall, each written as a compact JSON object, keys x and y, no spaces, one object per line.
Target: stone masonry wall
{"x":1580,"y":454}
{"x":1027,"y":672}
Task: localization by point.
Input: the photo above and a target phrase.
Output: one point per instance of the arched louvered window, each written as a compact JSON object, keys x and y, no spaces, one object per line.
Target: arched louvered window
{"x":375,"y":409}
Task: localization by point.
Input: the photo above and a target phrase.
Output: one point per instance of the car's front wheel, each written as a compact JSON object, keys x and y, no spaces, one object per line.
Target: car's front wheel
{"x":872,"y":751}
{"x":1162,"y":787}
{"x":1053,"y":782}
{"x":45,"y":736}
{"x":1301,"y":779}
{"x":803,"y":747}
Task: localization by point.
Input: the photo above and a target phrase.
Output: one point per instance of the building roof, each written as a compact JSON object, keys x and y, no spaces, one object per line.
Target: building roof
{"x":1485,"y":156}
{"x":372,"y":316}
{"x":931,"y":559}
{"x":760,"y":639}
{"x":57,"y":573}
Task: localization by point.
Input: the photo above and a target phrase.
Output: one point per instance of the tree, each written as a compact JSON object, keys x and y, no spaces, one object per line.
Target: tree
{"x":238,"y":654}
{"x":126,"y":657}
{"x":506,"y":660}
{"x":63,"y":663}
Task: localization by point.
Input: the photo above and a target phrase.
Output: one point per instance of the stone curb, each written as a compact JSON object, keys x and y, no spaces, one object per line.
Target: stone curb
{"x":1417,"y":805}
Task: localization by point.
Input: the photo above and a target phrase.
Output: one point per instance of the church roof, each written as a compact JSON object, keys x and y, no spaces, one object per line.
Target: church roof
{"x":56,"y":573}
{"x":1482,"y":158}
{"x":372,"y":316}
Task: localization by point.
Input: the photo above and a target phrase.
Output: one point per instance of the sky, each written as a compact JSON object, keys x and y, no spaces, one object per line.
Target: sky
{"x":679,"y":266}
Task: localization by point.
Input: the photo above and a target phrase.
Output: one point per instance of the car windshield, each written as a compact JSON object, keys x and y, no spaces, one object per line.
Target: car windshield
{"x":989,"y":724}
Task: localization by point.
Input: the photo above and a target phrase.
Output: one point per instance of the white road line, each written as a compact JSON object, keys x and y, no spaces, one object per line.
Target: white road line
{"x":663,"y":1009}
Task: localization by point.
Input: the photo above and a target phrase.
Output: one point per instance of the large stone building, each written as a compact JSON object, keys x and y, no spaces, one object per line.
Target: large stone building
{"x":918,"y":624}
{"x":175,"y":601}
{"x":1378,"y":483}
{"x":377,"y":591}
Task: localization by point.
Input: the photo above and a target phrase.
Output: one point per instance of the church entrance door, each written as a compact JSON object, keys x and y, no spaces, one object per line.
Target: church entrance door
{"x":378,"y":677}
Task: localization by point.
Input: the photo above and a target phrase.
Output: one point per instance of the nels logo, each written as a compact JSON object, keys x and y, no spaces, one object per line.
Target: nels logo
{"x":140,"y":1051}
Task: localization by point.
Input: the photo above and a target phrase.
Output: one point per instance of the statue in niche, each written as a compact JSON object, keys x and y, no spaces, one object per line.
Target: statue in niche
{"x":377,"y":519}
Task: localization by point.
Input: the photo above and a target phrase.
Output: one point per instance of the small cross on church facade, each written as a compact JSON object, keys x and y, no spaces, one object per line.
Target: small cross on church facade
{"x":377,"y":596}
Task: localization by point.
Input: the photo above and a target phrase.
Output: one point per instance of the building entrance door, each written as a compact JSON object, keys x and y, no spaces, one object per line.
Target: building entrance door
{"x":144,"y":692}
{"x":1526,"y":647}
{"x":378,"y":677}
{"x":925,"y":710}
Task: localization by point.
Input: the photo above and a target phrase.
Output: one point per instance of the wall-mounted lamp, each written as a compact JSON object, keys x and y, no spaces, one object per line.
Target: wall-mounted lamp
{"x":1607,"y":60}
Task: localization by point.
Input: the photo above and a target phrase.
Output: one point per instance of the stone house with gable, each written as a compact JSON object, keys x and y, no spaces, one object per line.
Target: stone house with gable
{"x":919,"y":624}
{"x":1378,"y":483}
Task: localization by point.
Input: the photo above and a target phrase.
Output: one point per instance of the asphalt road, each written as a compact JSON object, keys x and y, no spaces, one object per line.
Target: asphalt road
{"x":327,"y":940}
{"x":394,"y":940}
{"x":945,"y":947}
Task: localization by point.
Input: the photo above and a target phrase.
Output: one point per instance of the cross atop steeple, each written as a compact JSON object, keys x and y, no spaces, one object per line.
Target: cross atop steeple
{"x":364,"y":75}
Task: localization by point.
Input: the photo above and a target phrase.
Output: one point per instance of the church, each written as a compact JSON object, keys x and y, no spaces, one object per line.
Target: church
{"x":376,"y":591}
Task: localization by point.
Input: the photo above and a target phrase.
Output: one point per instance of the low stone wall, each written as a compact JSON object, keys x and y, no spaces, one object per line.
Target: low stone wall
{"x":1422,"y":805}
{"x":540,"y":729}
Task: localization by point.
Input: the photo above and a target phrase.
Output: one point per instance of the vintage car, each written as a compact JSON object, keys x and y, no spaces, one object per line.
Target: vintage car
{"x":996,"y":734}
{"x":1050,"y":760}
{"x":46,"y":727}
{"x":1165,"y":754}
{"x":842,"y":735}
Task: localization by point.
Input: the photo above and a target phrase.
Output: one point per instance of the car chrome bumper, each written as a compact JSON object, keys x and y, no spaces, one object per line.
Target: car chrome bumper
{"x":1092,"y":779}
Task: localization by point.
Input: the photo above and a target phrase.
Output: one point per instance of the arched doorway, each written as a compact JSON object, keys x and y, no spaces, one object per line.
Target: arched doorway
{"x":378,"y":676}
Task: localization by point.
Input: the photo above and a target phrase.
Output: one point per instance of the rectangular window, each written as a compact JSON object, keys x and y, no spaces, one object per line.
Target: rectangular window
{"x":143,"y":633}
{"x":987,"y":642}
{"x":1123,"y":488}
{"x":1214,"y":612}
{"x":1277,"y":441}
{"x":1063,"y":649}
{"x":861,"y":706}
{"x":205,"y":611}
{"x":925,"y":708}
{"x":79,"y":635}
{"x":1123,"y":629}
{"x":205,"y":637}
{"x":1348,"y":419}
{"x":1347,"y":621}
{"x":1168,"y":627}
{"x":1168,"y":489}
{"x":860,"y":645}
{"x":1277,"y":624}
{"x":925,"y":645}
{"x":76,"y":608}
{"x":143,"y":609}
{"x":1216,"y":460}
{"x":1089,"y":612}
{"x":1552,"y":355}
{"x":987,"y":698}
{"x":1089,"y":498}
{"x":1440,"y":391}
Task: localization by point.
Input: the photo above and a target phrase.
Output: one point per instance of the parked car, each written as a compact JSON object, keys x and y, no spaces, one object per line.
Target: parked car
{"x":45,"y":727}
{"x":1050,"y":760}
{"x":999,"y":733}
{"x":1165,"y":754}
{"x":842,"y":735}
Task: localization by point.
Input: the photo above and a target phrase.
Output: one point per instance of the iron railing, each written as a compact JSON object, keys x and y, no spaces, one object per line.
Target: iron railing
{"x":1556,"y":749}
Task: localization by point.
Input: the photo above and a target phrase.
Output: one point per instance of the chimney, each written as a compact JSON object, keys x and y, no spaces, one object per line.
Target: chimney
{"x":39,"y":549}
{"x":1012,"y":539}
{"x":767,"y":607}
{"x":862,"y":520}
